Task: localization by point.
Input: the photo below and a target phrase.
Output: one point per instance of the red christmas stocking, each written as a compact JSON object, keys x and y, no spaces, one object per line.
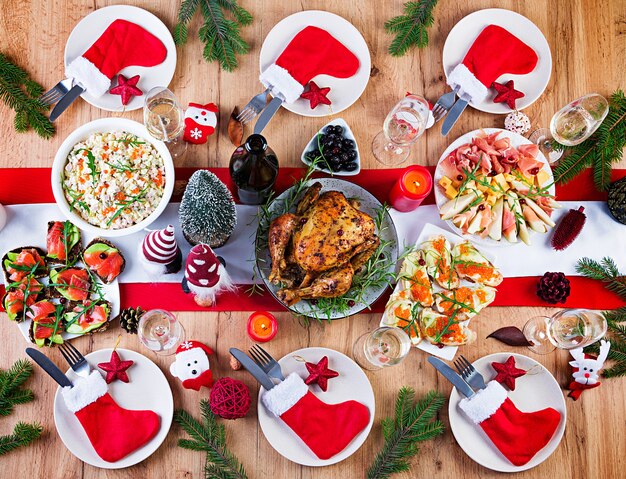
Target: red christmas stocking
{"x":495,"y":52}
{"x":517,"y":435}
{"x":114,"y":432}
{"x":311,"y":52}
{"x":122,"y":44}
{"x":326,"y":428}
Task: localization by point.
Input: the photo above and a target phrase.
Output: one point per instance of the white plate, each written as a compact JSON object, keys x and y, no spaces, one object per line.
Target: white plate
{"x":351,"y":384}
{"x":148,"y":389}
{"x":532,"y":393}
{"x":347,"y":134}
{"x":430,"y":230}
{"x":468,"y":28}
{"x":343,"y":91}
{"x":105,"y":125}
{"x":89,"y":29}
{"x":440,"y":198}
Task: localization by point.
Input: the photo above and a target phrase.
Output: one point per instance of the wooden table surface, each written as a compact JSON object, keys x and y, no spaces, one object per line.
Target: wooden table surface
{"x":588,"y":45}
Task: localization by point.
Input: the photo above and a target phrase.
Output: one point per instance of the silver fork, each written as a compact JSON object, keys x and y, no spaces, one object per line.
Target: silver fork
{"x":443,"y":105}
{"x":57,"y":92}
{"x":266,"y":362}
{"x":76,"y":360}
{"x":254,"y":107}
{"x":469,"y":373}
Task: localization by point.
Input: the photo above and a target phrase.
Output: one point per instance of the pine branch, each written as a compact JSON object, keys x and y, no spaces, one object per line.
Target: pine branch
{"x":412,"y":424}
{"x":411,"y":28}
{"x":11,"y":381}
{"x":602,"y":150}
{"x":221,"y":36}
{"x":605,"y":270}
{"x":23,"y":434}
{"x":209,"y":436}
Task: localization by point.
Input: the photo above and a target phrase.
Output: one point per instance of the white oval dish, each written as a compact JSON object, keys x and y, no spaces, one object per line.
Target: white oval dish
{"x":347,"y":132}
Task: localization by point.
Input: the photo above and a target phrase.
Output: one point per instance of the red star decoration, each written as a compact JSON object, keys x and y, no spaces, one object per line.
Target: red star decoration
{"x":507,"y":372}
{"x":320,"y":374}
{"x":116,"y":368}
{"x":507,"y":93}
{"x":316,"y":95}
{"x":127,"y":88}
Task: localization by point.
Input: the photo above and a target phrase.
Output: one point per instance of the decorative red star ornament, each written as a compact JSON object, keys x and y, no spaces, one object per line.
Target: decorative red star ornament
{"x":320,"y":374}
{"x":507,"y":372}
{"x":507,"y":93}
{"x":127,"y":88}
{"x":316,"y":95}
{"x":116,"y":368}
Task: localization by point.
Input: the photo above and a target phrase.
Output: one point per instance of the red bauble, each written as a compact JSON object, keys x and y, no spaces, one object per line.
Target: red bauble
{"x":507,"y":93}
{"x":320,"y":374}
{"x":116,"y":368}
{"x":316,"y":95}
{"x":230,"y":398}
{"x":507,"y":372}
{"x":127,"y":88}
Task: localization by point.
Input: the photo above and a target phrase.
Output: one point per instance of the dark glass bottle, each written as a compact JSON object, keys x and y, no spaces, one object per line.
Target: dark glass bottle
{"x":253,"y":169}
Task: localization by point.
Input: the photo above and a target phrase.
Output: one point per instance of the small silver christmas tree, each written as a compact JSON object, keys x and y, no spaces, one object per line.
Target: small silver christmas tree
{"x":207,"y":212}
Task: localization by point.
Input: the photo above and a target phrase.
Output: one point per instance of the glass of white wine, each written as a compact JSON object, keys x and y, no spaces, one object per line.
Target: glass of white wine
{"x":164,"y":119}
{"x":404,"y":124}
{"x":381,"y":348}
{"x":578,"y":120}
{"x":567,"y":329}
{"x":160,"y":331}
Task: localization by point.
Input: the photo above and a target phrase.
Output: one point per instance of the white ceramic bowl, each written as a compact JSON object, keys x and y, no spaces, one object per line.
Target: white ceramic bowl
{"x":348,"y":135}
{"x":105,"y":125}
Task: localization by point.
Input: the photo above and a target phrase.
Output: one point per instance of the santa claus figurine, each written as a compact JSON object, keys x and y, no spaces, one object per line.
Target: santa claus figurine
{"x":205,"y":275}
{"x":200,"y":122}
{"x":192,"y":365}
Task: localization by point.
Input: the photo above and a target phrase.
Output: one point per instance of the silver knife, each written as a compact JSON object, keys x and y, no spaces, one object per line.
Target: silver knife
{"x":49,"y":367}
{"x":66,"y":101}
{"x":267,"y":114}
{"x":452,"y":376}
{"x":454,"y":114}
{"x":252,"y":368}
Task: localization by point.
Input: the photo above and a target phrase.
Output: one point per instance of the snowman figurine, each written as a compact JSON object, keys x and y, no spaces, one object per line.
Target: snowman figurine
{"x":192,"y":365}
{"x":200,"y":122}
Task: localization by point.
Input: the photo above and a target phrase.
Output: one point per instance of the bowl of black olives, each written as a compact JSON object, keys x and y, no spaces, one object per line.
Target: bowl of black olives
{"x":334,"y":150}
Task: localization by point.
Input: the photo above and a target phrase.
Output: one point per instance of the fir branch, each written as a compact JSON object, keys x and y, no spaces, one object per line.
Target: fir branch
{"x":411,"y":28}
{"x":604,"y":270}
{"x":11,"y":381}
{"x":23,"y":434}
{"x":616,"y":335}
{"x":601,"y":150}
{"x":209,"y":436}
{"x":413,"y":423}
{"x":221,"y":36}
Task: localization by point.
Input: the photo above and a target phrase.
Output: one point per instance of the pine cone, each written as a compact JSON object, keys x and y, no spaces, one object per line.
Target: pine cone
{"x":553,"y":288}
{"x":129,"y":319}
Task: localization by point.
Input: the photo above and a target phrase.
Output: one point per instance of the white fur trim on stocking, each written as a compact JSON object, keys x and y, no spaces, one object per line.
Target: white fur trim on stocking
{"x":285,"y":395}
{"x":484,"y":403}
{"x":85,"y":391}
{"x":88,"y":75}
{"x":282,"y":84}
{"x":462,"y":77}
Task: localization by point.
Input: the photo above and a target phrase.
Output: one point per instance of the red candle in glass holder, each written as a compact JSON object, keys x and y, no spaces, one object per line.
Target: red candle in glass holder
{"x":262,"y":326}
{"x":411,"y":188}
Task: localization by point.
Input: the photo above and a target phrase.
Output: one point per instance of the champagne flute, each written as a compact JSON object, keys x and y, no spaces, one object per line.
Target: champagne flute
{"x":567,"y":329}
{"x":164,"y":119}
{"x":381,"y":348}
{"x":160,"y":331}
{"x":404,"y":124}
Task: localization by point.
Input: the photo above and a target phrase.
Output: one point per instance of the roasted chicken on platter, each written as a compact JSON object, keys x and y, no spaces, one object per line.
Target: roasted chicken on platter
{"x":316,"y":251}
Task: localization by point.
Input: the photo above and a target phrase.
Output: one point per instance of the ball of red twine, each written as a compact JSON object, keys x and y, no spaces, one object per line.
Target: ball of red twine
{"x":230,"y":398}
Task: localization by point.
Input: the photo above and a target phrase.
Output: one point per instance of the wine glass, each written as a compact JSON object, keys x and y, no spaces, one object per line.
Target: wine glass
{"x":383,"y":347}
{"x":160,"y":331}
{"x":567,"y":329}
{"x":164,"y":119}
{"x":404,"y":124}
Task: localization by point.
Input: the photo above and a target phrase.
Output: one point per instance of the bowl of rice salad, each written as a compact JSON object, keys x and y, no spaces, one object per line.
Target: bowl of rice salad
{"x":111,"y":178}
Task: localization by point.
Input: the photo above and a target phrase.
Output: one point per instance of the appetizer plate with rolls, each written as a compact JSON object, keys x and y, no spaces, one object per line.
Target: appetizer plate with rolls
{"x":495,"y":187}
{"x":443,"y":283}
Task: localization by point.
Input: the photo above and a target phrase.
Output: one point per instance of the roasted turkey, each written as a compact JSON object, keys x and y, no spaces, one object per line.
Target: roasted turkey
{"x":316,"y":250}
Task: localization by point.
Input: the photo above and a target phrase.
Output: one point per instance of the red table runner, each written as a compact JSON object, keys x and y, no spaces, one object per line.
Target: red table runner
{"x":32,"y":185}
